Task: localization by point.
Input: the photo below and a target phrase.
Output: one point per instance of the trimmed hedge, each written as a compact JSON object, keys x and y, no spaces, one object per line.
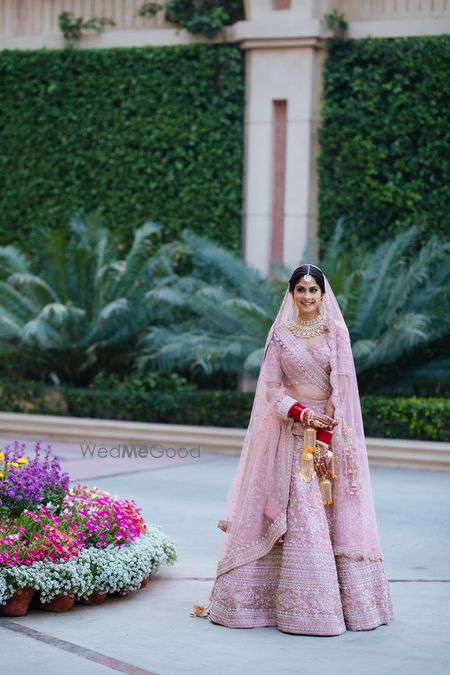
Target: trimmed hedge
{"x":414,"y":418}
{"x":139,"y":133}
{"x":384,"y":144}
{"x":202,"y":407}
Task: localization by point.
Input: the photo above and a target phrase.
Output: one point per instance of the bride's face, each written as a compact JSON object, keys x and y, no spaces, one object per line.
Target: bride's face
{"x":307,"y":298}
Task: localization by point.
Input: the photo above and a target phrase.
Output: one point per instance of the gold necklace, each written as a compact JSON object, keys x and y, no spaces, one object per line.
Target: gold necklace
{"x":308,"y":329}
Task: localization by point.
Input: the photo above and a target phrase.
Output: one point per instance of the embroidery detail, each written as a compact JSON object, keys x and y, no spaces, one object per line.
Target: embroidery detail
{"x":303,"y":360}
{"x":321,"y":354}
{"x":250,"y":552}
{"x":351,"y":468}
{"x":284,"y":405}
{"x":304,"y":585}
{"x":345,"y":349}
{"x":343,"y":442}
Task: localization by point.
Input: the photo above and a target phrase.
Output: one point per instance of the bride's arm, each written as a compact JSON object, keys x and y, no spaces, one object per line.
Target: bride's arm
{"x":276,"y":393}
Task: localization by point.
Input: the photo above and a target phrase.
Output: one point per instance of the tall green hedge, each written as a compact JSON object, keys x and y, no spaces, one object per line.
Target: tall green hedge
{"x":140,"y":133}
{"x":385,"y":141}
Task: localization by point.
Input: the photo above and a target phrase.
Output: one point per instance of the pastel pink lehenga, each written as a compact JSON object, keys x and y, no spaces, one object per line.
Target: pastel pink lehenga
{"x":288,"y":560}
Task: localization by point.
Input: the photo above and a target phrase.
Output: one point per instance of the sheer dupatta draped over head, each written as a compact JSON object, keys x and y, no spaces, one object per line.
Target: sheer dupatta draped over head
{"x":254,"y":514}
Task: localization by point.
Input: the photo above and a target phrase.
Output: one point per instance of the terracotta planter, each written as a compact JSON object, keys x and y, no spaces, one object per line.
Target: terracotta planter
{"x":60,"y":603}
{"x":95,"y":598}
{"x":145,"y":580}
{"x":18,"y":604}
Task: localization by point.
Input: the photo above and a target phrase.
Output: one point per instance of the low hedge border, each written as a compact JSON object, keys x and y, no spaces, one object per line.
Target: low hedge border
{"x":385,"y":417}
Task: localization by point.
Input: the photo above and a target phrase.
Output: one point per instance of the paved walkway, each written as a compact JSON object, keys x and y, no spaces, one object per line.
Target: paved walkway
{"x":151,"y":631}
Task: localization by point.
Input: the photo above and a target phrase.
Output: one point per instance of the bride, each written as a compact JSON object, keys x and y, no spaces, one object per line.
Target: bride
{"x":301,"y":550}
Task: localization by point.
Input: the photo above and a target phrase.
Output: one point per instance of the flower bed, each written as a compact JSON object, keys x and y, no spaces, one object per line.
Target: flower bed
{"x":62,"y":542}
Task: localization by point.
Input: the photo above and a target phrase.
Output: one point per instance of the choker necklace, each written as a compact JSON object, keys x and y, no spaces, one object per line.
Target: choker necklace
{"x":307,"y":329}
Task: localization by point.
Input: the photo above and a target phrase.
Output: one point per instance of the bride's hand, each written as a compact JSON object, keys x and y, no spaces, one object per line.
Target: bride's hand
{"x":321,"y":462}
{"x":321,"y":421}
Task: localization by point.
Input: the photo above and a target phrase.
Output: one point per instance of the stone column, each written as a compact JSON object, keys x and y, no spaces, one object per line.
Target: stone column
{"x":283,"y":69}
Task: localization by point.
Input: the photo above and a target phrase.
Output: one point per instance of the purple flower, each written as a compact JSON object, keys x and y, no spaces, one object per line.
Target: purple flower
{"x":39,"y":481}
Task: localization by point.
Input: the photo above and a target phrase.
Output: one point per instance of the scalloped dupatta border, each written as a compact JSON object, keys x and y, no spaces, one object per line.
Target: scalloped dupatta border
{"x":247,"y":554}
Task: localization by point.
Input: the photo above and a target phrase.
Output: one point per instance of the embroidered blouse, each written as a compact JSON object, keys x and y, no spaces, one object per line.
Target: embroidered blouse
{"x":291,"y":375}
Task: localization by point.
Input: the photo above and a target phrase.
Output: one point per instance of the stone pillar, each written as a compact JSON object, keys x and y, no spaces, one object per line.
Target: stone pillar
{"x":283,"y":70}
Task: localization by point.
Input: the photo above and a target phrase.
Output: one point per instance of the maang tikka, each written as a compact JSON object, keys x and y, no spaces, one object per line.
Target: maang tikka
{"x":308,"y":277}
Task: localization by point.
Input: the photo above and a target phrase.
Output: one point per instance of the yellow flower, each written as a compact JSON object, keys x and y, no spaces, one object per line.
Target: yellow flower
{"x":2,"y":475}
{"x":22,"y":460}
{"x":2,"y":456}
{"x":13,"y":464}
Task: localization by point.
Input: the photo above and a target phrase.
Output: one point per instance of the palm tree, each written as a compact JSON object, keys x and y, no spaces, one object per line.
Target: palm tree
{"x":80,"y":307}
{"x":191,"y":305}
{"x":394,"y":301}
{"x":223,"y":310}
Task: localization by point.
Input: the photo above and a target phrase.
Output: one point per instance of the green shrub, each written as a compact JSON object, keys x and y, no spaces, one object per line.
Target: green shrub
{"x":137,"y":132}
{"x":423,"y":418}
{"x":202,"y":17}
{"x":384,"y":143}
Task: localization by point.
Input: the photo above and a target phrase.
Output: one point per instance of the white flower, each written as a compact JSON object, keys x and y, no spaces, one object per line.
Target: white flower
{"x":112,"y":569}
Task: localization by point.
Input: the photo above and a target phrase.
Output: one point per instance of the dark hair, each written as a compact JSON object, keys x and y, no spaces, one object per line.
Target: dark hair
{"x":301,"y":271}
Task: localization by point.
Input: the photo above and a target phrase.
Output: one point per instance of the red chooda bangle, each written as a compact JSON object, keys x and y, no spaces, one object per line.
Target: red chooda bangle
{"x":295,"y":411}
{"x":323,"y":435}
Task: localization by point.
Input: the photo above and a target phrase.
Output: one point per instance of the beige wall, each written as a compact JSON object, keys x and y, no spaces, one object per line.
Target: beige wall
{"x":34,"y":23}
{"x":284,"y":54}
{"x":31,"y":24}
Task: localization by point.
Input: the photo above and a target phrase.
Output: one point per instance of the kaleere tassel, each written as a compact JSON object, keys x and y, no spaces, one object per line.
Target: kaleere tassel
{"x":325,"y":490}
{"x":307,"y":473}
{"x":332,"y":469}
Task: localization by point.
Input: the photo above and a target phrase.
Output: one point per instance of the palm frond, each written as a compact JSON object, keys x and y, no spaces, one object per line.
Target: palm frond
{"x":51,"y":257}
{"x":252,"y":364}
{"x":12,"y":261}
{"x":39,"y":334}
{"x":116,"y":324}
{"x":166,"y":349}
{"x":431,"y":379}
{"x":362,"y":349}
{"x":143,"y":246}
{"x":331,"y":260}
{"x":408,"y":331}
{"x":34,"y":288}
{"x":218,"y":266}
{"x":385,"y":263}
{"x":15,"y":303}
{"x":10,"y":329}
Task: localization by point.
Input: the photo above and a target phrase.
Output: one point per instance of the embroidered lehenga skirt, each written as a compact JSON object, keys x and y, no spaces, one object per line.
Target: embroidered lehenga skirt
{"x":300,"y":586}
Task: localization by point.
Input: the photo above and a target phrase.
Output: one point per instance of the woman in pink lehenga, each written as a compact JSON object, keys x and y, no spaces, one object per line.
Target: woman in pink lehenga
{"x":301,"y":550}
